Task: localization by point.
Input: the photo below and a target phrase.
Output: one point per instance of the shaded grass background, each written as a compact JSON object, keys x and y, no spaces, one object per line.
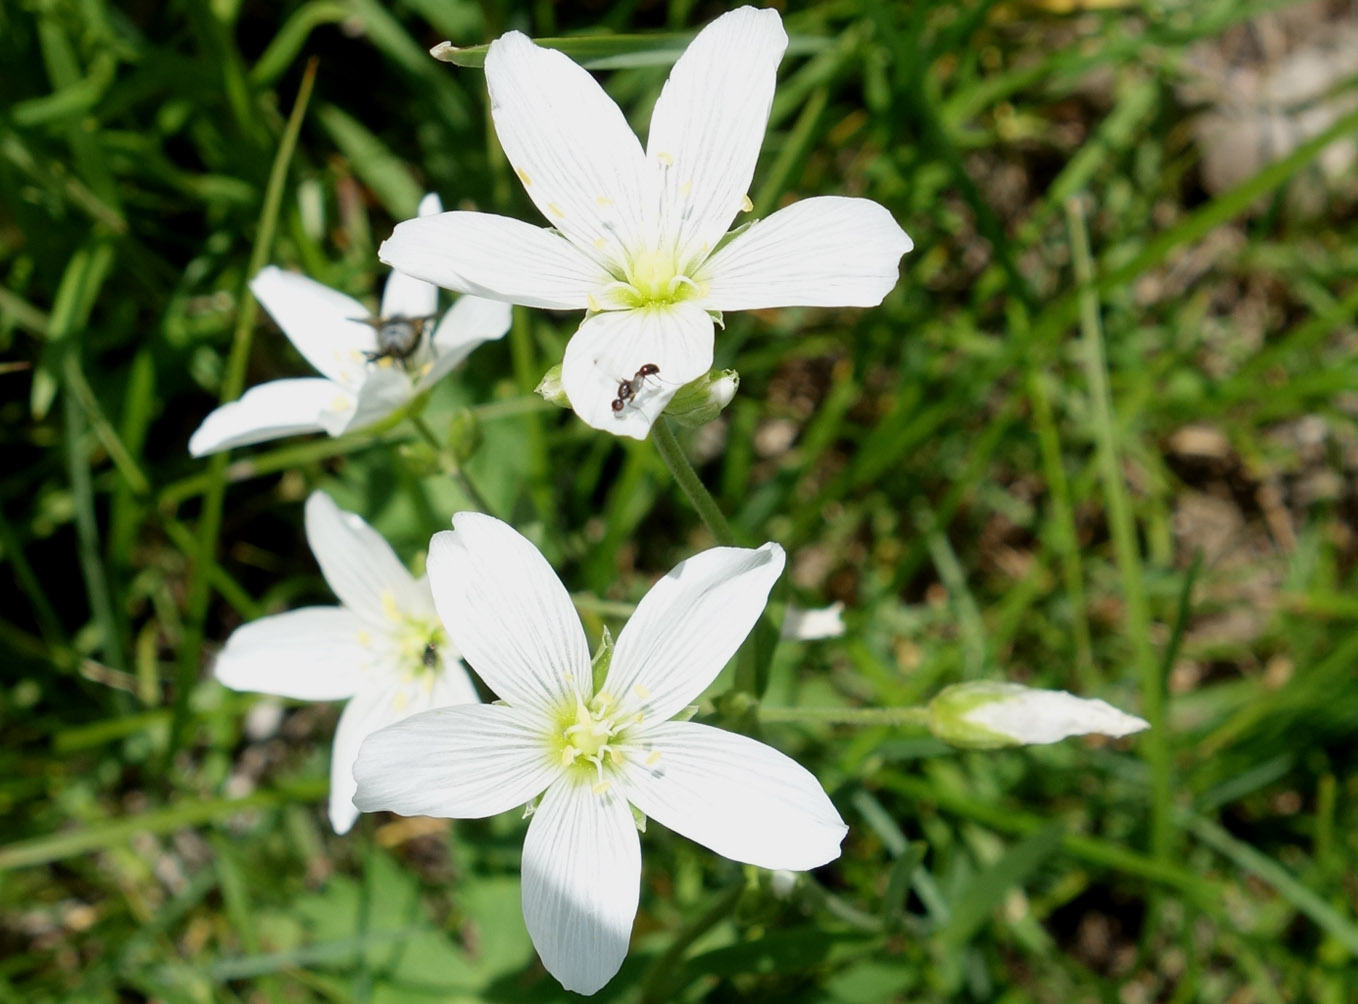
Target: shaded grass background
{"x":1101,"y":437}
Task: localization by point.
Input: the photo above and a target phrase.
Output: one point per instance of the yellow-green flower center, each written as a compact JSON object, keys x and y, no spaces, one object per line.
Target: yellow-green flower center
{"x":588,"y":738}
{"x":654,"y":279}
{"x":419,"y":641}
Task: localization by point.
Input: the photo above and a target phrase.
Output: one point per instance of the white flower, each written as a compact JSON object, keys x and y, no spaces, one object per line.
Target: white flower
{"x":813,"y":625}
{"x":383,"y":649}
{"x":589,"y":754}
{"x":370,"y":366}
{"x":638,"y":239}
{"x":988,"y":714}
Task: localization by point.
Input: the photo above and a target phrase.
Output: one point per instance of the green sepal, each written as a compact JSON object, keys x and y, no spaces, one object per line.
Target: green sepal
{"x":950,"y":707}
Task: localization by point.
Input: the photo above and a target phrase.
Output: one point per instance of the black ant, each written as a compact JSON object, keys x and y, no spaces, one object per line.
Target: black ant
{"x":398,"y":337}
{"x":628,"y":389}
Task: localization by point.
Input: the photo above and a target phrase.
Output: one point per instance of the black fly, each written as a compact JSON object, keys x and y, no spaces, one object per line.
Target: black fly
{"x":431,"y":656}
{"x":398,"y":337}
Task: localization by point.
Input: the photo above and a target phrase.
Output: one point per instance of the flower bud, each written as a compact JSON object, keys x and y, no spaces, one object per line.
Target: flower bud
{"x":464,"y":435}
{"x":991,"y":714}
{"x":549,"y":388}
{"x":701,"y":400}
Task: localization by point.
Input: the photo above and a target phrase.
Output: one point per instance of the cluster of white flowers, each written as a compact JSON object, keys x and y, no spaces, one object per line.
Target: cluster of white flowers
{"x":639,"y":240}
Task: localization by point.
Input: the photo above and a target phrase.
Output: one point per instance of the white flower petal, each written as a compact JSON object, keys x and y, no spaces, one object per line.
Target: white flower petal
{"x":452,"y":685}
{"x":471,"y":321}
{"x":269,"y":411}
{"x":406,"y":296}
{"x":390,"y":698}
{"x":688,"y":626}
{"x":326,"y":326}
{"x":736,"y":796}
{"x":360,"y":566}
{"x":385,"y":390}
{"x":497,"y":257}
{"x":311,"y":654}
{"x":708,"y":125}
{"x":822,"y":252}
{"x":611,"y":347}
{"x":372,"y":708}
{"x":570,"y":145}
{"x":508,"y":614}
{"x":581,"y":881}
{"x":1047,"y":716}
{"x":462,"y":762}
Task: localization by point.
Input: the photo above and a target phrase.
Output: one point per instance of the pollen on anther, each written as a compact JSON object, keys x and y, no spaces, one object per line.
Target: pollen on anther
{"x":592,"y":302}
{"x":600,"y":243}
{"x":339,"y":403}
{"x":685,"y":188}
{"x":746,"y":206}
{"x":555,"y":210}
{"x":602,"y":787}
{"x":604,"y":200}
{"x":641,"y":691}
{"x":523,"y":176}
{"x":389,"y":607}
{"x":665,"y":158}
{"x":365,"y":639}
{"x":653,"y":759}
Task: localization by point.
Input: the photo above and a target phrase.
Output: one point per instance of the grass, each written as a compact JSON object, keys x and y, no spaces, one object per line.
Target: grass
{"x":1100,"y":437}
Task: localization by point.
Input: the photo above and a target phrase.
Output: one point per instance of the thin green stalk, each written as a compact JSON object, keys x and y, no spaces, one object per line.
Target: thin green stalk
{"x":87,"y":533}
{"x":1064,"y":539}
{"x":526,"y":375}
{"x":209,"y":524}
{"x":655,"y":984}
{"x":908,"y":717}
{"x":1122,"y":524}
{"x":687,"y":478}
{"x":450,"y":465}
{"x":111,"y":832}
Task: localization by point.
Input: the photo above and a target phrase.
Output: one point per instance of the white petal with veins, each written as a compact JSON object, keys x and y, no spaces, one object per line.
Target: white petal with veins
{"x":269,"y":411}
{"x":822,"y":252}
{"x":611,"y":347}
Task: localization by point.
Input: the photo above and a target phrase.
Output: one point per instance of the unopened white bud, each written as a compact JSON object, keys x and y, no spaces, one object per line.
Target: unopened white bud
{"x":989,"y":715}
{"x":701,"y":400}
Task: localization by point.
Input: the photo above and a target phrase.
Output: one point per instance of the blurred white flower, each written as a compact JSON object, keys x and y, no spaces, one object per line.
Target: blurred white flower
{"x":639,"y":239}
{"x":589,"y":754}
{"x":988,"y":714}
{"x":383,"y":648}
{"x":370,"y":366}
{"x":813,"y":625}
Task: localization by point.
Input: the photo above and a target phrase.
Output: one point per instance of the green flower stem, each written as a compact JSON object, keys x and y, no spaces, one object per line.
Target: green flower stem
{"x":911,"y":717}
{"x":450,"y":465}
{"x":655,"y":986}
{"x":687,"y":479}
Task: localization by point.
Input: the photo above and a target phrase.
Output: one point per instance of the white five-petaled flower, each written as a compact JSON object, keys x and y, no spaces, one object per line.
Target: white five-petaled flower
{"x":639,"y":238}
{"x":590,"y":753}
{"x":371,"y":366}
{"x":383,"y":649}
